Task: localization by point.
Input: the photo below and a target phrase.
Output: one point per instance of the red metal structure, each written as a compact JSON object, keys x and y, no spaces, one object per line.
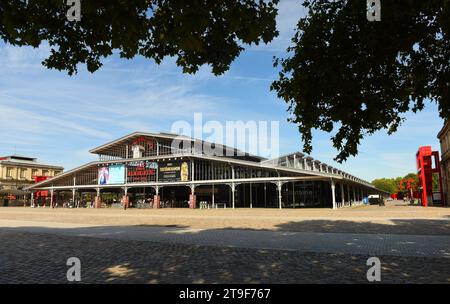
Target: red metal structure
{"x":40,"y":195}
{"x":425,"y":172}
{"x":411,"y":187}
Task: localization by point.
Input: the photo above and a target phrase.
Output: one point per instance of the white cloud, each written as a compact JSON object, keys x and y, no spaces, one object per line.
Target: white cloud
{"x":26,"y":121}
{"x":12,"y":58}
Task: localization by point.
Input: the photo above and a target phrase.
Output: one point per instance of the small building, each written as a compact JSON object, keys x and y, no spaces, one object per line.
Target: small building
{"x":172,"y":171}
{"x":18,"y":172}
{"x":444,"y":138}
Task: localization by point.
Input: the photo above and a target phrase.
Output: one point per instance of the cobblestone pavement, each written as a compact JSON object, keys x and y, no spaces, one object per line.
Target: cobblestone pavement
{"x":392,"y":219}
{"x":225,"y":246}
{"x":373,"y":244}
{"x":41,"y":258}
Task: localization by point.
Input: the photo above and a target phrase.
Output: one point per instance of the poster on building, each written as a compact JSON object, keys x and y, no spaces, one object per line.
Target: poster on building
{"x":142,"y":171}
{"x":174,"y":172}
{"x":111,"y":175}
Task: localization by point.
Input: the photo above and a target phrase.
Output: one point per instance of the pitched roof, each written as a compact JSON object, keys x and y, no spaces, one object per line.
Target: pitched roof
{"x":166,"y":136}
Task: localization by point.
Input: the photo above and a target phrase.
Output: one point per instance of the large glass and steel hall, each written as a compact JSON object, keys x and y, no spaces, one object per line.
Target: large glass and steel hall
{"x":162,"y":171}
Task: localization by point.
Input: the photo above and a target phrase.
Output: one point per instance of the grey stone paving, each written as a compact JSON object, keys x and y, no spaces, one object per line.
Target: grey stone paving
{"x":41,"y":258}
{"x":367,"y":244}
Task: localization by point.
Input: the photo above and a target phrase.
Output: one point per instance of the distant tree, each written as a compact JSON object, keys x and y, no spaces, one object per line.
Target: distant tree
{"x":413,"y":176}
{"x":392,"y":185}
{"x":435,"y":182}
{"x":385,"y":184}
{"x":397,"y":182}
{"x":351,"y":77}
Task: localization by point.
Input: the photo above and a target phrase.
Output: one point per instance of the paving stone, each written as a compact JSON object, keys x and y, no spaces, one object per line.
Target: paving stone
{"x":41,"y":258}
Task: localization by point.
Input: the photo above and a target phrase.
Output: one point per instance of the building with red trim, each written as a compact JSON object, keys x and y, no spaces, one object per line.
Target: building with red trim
{"x":18,"y":172}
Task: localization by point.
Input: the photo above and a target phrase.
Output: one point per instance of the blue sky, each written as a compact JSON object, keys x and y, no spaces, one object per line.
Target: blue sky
{"x":58,"y":118}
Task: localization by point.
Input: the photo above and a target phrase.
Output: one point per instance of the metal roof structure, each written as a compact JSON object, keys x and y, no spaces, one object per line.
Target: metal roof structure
{"x":168,"y":136}
{"x":294,"y":163}
{"x":300,"y":160}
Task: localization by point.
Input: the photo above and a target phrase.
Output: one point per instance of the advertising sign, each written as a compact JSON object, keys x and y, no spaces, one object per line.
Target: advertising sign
{"x":174,"y":172}
{"x":142,"y":171}
{"x":111,"y":175}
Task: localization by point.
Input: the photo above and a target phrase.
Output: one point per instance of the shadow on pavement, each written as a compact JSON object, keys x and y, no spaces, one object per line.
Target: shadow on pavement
{"x":394,"y":226}
{"x":40,"y":257}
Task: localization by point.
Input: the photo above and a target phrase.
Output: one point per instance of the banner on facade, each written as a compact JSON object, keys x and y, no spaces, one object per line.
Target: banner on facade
{"x":174,"y":172}
{"x":142,"y":171}
{"x":111,"y":175}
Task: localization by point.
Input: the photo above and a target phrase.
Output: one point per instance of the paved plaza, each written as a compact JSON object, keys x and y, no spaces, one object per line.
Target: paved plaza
{"x":350,"y":243}
{"x":395,"y":218}
{"x":227,"y":246}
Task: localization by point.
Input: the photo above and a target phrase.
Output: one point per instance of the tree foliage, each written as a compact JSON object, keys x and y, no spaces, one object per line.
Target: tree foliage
{"x":195,"y":32}
{"x":386,"y":184}
{"x":351,"y":77}
{"x":392,"y":185}
{"x":343,"y":74}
